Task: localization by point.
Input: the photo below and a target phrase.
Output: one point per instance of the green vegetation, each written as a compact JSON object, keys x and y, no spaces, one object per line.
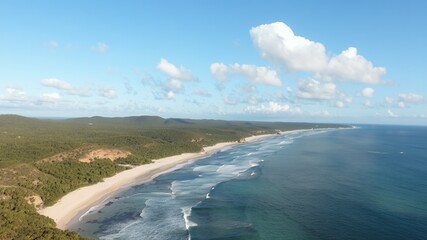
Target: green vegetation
{"x":19,"y":220}
{"x":39,"y":159}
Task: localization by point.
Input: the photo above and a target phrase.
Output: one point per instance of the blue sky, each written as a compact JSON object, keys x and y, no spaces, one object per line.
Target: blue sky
{"x":330,"y":61}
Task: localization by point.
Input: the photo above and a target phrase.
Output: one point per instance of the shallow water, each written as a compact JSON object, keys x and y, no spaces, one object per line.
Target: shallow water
{"x":365,"y":183}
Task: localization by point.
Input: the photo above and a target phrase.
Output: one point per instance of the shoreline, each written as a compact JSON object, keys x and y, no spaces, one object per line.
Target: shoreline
{"x":69,"y":206}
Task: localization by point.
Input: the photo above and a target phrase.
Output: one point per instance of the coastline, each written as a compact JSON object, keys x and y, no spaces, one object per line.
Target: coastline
{"x":69,"y":206}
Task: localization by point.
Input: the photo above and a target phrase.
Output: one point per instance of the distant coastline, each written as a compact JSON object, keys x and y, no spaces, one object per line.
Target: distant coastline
{"x":68,"y":207}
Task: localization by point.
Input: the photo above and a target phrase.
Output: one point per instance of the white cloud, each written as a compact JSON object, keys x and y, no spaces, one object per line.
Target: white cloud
{"x":348,"y":99}
{"x":230,"y":100}
{"x":349,"y":66}
{"x":219,"y":71}
{"x":315,"y":90}
{"x":339,"y":104}
{"x":367,"y":92}
{"x":320,"y":113}
{"x":172,"y":71}
{"x":14,"y":95}
{"x":63,"y":85}
{"x":56,"y":83}
{"x":278,"y":43}
{"x":107,"y":92}
{"x":401,"y":104}
{"x":388,"y":101}
{"x":100,"y":47}
{"x":410,"y":98}
{"x":391,"y":114}
{"x":170,"y":95}
{"x":173,"y":84}
{"x":273,"y":107}
{"x":51,"y":97}
{"x":253,"y":73}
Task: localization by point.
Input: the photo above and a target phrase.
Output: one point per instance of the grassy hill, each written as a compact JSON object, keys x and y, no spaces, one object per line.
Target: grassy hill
{"x":39,"y":158}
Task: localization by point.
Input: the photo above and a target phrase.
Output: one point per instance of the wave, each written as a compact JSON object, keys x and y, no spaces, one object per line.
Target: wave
{"x":170,"y":198}
{"x":376,"y":152}
{"x":186,"y":211}
{"x":91,"y":210}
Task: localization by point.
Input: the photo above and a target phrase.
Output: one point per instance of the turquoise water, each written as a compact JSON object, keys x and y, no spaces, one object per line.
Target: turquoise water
{"x":364,"y":183}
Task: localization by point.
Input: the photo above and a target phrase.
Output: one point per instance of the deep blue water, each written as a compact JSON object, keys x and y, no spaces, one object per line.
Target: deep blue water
{"x":364,"y":183}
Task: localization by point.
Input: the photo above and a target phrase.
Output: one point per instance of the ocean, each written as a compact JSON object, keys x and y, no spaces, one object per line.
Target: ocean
{"x":369,"y":182}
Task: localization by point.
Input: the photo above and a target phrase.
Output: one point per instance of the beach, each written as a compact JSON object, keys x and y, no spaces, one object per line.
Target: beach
{"x":69,"y":206}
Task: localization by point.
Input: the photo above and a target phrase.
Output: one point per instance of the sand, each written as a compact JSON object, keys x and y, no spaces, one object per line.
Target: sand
{"x":74,"y":202}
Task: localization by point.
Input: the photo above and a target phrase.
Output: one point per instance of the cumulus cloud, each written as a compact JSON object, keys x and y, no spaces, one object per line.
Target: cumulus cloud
{"x":175,"y":75}
{"x":349,"y":66}
{"x":273,"y":107}
{"x":252,"y":73}
{"x":219,"y":71}
{"x":278,"y":43}
{"x":367,"y":92}
{"x":100,"y":47}
{"x":172,"y":71}
{"x":315,"y":90}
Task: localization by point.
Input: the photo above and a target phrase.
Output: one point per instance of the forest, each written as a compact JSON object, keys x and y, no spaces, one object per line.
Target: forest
{"x":40,"y":158}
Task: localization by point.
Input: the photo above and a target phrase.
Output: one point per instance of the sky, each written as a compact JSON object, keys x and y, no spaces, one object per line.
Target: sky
{"x":313,"y":61}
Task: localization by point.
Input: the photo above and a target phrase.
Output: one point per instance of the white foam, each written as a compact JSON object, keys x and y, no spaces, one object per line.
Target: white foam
{"x":91,"y":210}
{"x":285,"y":142}
{"x":165,"y":214}
{"x":254,"y":164}
{"x":186,"y":211}
{"x":230,"y":169}
{"x":376,"y":152}
{"x":205,"y":168}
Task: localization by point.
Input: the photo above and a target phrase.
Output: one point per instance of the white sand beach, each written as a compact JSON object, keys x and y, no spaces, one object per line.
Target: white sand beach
{"x":74,"y":202}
